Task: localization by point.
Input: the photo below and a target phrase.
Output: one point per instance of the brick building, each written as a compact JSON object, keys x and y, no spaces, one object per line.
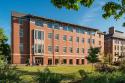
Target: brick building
{"x":114,"y":44}
{"x":46,"y":41}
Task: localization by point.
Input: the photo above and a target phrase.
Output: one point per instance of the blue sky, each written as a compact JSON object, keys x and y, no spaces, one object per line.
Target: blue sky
{"x":91,"y":17}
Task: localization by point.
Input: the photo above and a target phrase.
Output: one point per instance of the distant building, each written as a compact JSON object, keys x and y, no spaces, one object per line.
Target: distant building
{"x":114,"y":44}
{"x":49,"y":42}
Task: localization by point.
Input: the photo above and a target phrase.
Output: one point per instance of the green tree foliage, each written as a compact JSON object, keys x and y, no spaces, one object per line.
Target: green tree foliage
{"x":8,"y":74}
{"x":93,"y":55}
{"x":4,"y":46}
{"x":111,"y":8}
{"x":72,"y":4}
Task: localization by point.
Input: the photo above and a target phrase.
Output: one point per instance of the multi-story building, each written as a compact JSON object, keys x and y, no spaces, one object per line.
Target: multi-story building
{"x":114,"y":44}
{"x":47,"y":41}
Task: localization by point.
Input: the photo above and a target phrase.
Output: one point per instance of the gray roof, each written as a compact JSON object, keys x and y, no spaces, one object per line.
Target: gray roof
{"x":119,"y":35}
{"x":116,"y":35}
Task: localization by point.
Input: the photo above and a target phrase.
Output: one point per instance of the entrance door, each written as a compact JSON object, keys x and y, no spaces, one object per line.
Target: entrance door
{"x":39,"y":60}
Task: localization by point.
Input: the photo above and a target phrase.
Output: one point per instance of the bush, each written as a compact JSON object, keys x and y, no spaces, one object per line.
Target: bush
{"x":48,"y":77}
{"x":104,"y":68}
{"x":97,"y":77}
{"x":8,"y":73}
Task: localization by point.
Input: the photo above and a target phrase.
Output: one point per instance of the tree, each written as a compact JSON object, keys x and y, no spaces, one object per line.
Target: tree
{"x":4,"y":46}
{"x":111,"y":8}
{"x":93,"y":55}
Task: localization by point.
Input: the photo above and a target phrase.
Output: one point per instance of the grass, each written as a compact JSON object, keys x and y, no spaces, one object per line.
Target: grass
{"x":30,"y":72}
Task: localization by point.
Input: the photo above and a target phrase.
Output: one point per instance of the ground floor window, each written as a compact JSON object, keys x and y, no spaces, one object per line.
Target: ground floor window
{"x":77,"y":61}
{"x":56,"y":61}
{"x":82,"y":61}
{"x":49,"y":61}
{"x":64,"y":61}
{"x":70,"y":61}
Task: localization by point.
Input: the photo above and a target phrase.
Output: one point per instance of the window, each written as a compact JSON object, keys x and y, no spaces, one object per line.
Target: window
{"x":56,"y":61}
{"x":42,"y":48}
{"x":115,"y":47}
{"x":57,"y":49}
{"x":64,"y":37}
{"x":77,"y":30}
{"x":70,"y":61}
{"x":77,"y":50}
{"x":38,"y":23}
{"x":70,"y":38}
{"x":21,"y":32}
{"x":82,"y":31}
{"x":64,"y":49}
{"x":42,"y":35}
{"x":50,"y":25}
{"x":21,"y":48}
{"x":39,"y":48}
{"x":57,"y":36}
{"x":82,"y":61}
{"x":35,"y":49}
{"x":65,"y":28}
{"x":82,"y":40}
{"x":82,"y":50}
{"x":70,"y":28}
{"x":56,"y":26}
{"x":88,"y":40}
{"x":88,"y":32}
{"x":64,"y":61}
{"x":99,"y":35}
{"x":77,"y":39}
{"x":70,"y":50}
{"x":93,"y":41}
{"x":50,"y":35}
{"x":93,"y":33}
{"x":20,"y":21}
{"x":99,"y":42}
{"x":49,"y":48}
{"x":39,"y":35}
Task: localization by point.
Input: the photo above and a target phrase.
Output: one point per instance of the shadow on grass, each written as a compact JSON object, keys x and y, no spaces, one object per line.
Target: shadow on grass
{"x":46,"y":76}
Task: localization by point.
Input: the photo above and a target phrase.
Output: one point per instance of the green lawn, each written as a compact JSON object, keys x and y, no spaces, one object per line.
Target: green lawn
{"x":30,"y":72}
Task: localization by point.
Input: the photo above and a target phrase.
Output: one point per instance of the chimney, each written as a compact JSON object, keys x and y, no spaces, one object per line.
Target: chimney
{"x":111,"y":30}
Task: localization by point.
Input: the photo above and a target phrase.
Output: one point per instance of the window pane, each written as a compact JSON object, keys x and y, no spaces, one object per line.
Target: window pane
{"x":77,"y":39}
{"x":70,"y":28}
{"x":21,"y":32}
{"x":57,"y":36}
{"x":21,"y":48}
{"x":50,"y":48}
{"x":38,"y":23}
{"x":39,"y":48}
{"x":65,"y":28}
{"x":64,"y":37}
{"x":70,"y":38}
{"x":20,"y":21}
{"x":82,"y":40}
{"x":64,"y":49}
{"x":57,"y":49}
{"x":50,"y":25}
{"x":70,"y":50}
{"x":39,"y":34}
{"x":50,"y":35}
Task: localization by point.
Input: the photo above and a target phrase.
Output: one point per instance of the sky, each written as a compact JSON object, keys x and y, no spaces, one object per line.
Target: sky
{"x":91,"y":17}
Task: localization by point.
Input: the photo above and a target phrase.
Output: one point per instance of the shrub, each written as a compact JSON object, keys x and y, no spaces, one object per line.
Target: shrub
{"x":8,"y":74}
{"x":97,"y":77}
{"x":104,"y":68}
{"x":48,"y":77}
